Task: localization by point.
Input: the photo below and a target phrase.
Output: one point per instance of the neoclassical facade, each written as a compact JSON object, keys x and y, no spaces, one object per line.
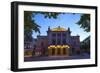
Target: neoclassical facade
{"x":58,"y":42}
{"x":62,"y":42}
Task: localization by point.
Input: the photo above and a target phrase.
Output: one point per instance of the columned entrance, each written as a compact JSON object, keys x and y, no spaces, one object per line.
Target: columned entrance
{"x":58,"y":50}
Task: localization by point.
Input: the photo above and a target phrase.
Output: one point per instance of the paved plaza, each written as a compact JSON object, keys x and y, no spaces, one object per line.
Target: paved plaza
{"x":46,"y":58}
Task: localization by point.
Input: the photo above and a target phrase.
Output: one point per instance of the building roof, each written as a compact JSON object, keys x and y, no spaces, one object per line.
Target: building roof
{"x":58,"y":29}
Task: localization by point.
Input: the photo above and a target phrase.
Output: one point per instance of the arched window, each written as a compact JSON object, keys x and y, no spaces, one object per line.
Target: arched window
{"x":42,"y":43}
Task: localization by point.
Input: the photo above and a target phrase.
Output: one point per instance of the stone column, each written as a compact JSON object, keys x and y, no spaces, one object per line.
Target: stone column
{"x":67,"y":51}
{"x":50,"y":52}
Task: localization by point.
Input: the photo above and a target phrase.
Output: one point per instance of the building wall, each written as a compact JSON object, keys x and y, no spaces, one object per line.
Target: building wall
{"x":58,"y":37}
{"x":41,"y":44}
{"x":75,"y":43}
{"x":64,"y":37}
{"x":28,"y":49}
{"x":54,"y":38}
{"x":41,"y":41}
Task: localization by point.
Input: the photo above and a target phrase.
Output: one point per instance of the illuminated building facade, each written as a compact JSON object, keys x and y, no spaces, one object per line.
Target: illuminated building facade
{"x":61,"y":42}
{"x":58,"y":42}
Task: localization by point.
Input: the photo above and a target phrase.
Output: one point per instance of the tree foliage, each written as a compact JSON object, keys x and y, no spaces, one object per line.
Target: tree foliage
{"x":30,"y":25}
{"x":84,"y":22}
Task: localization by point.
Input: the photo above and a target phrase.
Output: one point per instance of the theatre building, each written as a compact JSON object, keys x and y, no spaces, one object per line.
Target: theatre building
{"x":58,"y":42}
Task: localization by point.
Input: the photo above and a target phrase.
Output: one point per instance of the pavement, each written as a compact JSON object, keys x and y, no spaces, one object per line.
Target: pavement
{"x":48,"y":58}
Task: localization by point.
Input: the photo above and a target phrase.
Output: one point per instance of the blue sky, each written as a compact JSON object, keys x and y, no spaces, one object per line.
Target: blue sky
{"x":63,"y":20}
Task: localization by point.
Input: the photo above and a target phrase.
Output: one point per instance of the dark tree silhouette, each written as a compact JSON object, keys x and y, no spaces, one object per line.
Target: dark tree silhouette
{"x":84,"y":22}
{"x":30,"y":25}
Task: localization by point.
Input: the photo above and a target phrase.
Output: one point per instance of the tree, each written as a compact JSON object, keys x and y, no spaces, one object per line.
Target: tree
{"x":84,"y":22}
{"x":30,"y":25}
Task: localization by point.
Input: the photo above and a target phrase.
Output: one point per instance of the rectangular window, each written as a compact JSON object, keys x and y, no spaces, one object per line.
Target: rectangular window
{"x":53,"y":35}
{"x":64,"y":35}
{"x":53,"y":42}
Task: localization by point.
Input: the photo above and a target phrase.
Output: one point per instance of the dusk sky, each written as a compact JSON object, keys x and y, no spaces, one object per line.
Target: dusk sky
{"x":63,"y":20}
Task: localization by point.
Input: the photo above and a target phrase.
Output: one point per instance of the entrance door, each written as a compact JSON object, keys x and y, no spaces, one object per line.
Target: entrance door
{"x":58,"y":51}
{"x":64,"y":51}
{"x":53,"y":51}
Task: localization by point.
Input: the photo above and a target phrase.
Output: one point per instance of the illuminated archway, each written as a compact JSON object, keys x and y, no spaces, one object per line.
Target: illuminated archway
{"x":59,"y":50}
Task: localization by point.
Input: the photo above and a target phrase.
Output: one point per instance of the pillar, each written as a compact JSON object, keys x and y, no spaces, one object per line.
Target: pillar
{"x":50,"y":52}
{"x":67,"y":51}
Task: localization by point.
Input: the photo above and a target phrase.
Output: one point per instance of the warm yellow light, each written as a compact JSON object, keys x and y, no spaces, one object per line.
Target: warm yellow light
{"x":51,"y":46}
{"x":28,"y":53}
{"x":66,"y":46}
{"x":58,"y":29}
{"x":58,"y":46}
